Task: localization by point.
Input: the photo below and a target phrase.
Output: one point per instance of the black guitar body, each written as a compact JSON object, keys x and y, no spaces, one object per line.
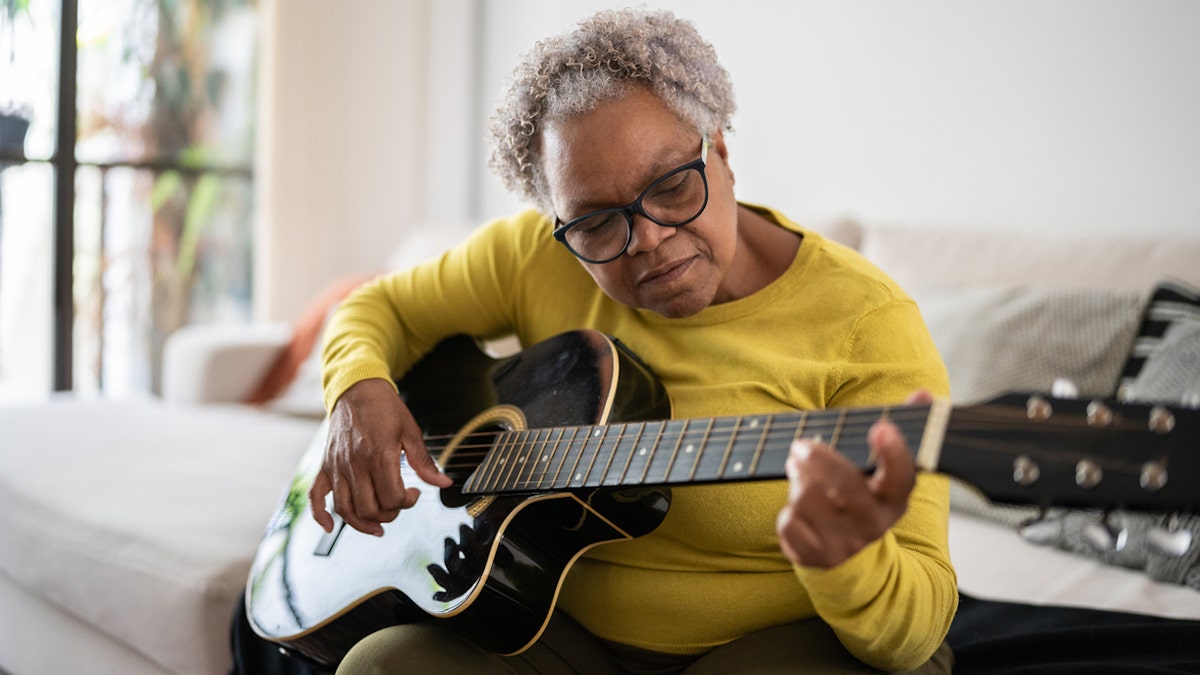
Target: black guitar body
{"x":496,"y":580}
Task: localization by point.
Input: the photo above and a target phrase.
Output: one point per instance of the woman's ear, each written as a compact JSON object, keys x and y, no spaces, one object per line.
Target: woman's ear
{"x":716,"y":143}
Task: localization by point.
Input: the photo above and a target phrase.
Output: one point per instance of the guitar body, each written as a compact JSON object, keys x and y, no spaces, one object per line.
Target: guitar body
{"x":490,"y":566}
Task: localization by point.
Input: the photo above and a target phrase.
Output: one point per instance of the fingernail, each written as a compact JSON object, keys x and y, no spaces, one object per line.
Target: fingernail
{"x":801,"y":449}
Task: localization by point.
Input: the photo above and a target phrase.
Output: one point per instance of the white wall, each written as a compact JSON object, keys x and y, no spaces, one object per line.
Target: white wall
{"x":1063,"y":116}
{"x":342,"y":137}
{"x":1057,"y":115}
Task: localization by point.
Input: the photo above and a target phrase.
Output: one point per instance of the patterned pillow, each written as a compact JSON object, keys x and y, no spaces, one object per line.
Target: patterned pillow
{"x":1002,"y":340}
{"x":1164,"y":361}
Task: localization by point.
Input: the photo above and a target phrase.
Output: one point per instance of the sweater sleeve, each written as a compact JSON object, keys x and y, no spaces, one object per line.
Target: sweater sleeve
{"x":891,"y":604}
{"x":384,"y":327}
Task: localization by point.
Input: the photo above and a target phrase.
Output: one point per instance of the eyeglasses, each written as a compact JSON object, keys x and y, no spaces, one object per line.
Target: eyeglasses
{"x":672,"y":200}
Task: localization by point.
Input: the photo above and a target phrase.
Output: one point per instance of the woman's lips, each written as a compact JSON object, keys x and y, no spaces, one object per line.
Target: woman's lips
{"x":666,"y":274}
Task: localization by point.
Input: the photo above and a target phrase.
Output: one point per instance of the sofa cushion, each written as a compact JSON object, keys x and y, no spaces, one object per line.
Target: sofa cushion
{"x":998,"y":340}
{"x":141,"y":518}
{"x":919,"y":256}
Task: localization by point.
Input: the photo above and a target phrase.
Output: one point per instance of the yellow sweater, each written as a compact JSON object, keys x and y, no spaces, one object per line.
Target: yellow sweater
{"x":833,"y":331}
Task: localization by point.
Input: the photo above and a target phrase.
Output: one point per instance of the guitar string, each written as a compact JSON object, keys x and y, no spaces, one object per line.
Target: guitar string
{"x":967,"y":421}
{"x":475,"y":448}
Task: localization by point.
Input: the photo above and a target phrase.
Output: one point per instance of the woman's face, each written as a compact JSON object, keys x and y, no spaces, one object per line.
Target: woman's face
{"x":605,"y":158}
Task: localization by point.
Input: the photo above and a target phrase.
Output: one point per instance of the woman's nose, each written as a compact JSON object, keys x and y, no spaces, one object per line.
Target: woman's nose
{"x":646,"y":235}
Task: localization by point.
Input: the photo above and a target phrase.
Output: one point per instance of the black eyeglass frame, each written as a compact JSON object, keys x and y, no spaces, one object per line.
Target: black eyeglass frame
{"x":635,"y":207}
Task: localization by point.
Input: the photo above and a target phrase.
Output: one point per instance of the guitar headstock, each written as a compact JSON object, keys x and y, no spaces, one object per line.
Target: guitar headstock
{"x":1100,"y":454}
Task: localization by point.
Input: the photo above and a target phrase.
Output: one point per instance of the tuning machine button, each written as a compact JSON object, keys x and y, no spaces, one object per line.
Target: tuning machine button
{"x":1038,"y":409}
{"x":1154,"y":475}
{"x":1088,"y":474}
{"x":1162,"y":421}
{"x":1099,"y":415}
{"x":1025,"y":471}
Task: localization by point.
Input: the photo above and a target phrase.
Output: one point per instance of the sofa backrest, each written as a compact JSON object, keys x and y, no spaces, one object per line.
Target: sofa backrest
{"x":920,"y":257}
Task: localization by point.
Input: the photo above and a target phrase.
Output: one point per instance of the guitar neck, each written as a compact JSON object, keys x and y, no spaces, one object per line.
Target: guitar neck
{"x":688,"y":451}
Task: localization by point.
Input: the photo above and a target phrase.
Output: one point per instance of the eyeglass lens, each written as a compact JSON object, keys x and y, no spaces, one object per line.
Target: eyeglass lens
{"x":673,"y":200}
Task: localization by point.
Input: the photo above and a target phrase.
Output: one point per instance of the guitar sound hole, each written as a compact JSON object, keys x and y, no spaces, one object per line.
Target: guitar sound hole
{"x":453,"y":497}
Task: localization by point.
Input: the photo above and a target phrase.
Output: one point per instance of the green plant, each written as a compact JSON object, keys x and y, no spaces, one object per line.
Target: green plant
{"x":8,"y":22}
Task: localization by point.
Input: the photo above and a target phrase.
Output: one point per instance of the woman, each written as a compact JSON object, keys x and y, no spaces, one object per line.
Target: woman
{"x":616,"y":131}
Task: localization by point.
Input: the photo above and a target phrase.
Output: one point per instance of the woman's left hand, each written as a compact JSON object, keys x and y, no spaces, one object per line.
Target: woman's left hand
{"x":834,"y":510}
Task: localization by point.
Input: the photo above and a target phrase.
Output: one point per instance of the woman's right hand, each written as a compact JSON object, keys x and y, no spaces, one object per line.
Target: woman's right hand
{"x":369,"y":428}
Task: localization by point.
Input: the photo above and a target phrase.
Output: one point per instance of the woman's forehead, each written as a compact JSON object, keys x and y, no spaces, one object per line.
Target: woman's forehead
{"x":614,"y":150}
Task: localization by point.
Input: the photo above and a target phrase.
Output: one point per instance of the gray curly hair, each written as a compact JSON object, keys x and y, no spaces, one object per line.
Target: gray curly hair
{"x":605,"y":55}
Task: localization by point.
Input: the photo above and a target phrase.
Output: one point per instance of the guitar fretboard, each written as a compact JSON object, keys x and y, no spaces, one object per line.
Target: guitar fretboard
{"x":670,"y":452}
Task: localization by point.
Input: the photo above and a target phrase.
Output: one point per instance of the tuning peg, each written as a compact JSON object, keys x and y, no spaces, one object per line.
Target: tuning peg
{"x":1041,"y":530}
{"x":1105,"y":538}
{"x":1162,"y":421}
{"x":1170,"y":540}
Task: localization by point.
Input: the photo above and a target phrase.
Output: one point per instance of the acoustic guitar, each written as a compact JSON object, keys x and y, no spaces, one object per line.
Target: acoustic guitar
{"x":570,"y":444}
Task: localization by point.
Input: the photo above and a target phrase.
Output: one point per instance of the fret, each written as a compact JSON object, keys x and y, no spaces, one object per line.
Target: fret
{"x":801,"y":427}
{"x":482,"y":473}
{"x":524,"y":459}
{"x":516,"y":458}
{"x":499,"y":458}
{"x":752,"y":470}
{"x":743,"y":447}
{"x":583,"y":465}
{"x":691,"y":447}
{"x":712,"y":456}
{"x":837,"y":428}
{"x":640,"y":459}
{"x":541,"y":460}
{"x":568,"y":453}
{"x":606,"y":454}
{"x":677,"y":428}
{"x":777,"y":446}
{"x":856,"y":448}
{"x":820,"y":426}
{"x":622,"y":455}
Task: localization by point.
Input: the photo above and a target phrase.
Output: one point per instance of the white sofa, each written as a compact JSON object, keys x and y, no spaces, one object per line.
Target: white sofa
{"x":129,"y":526}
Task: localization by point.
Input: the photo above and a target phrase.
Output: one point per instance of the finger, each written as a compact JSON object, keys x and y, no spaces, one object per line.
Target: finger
{"x":388,"y":481}
{"x":794,"y":467}
{"x":316,"y":500}
{"x":919,"y":396}
{"x":422,"y":462}
{"x":355,"y":503}
{"x":823,"y":485}
{"x":797,"y":538}
{"x":895,"y":472}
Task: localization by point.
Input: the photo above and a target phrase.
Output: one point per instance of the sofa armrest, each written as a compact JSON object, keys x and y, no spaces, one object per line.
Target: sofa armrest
{"x":219,"y":363}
